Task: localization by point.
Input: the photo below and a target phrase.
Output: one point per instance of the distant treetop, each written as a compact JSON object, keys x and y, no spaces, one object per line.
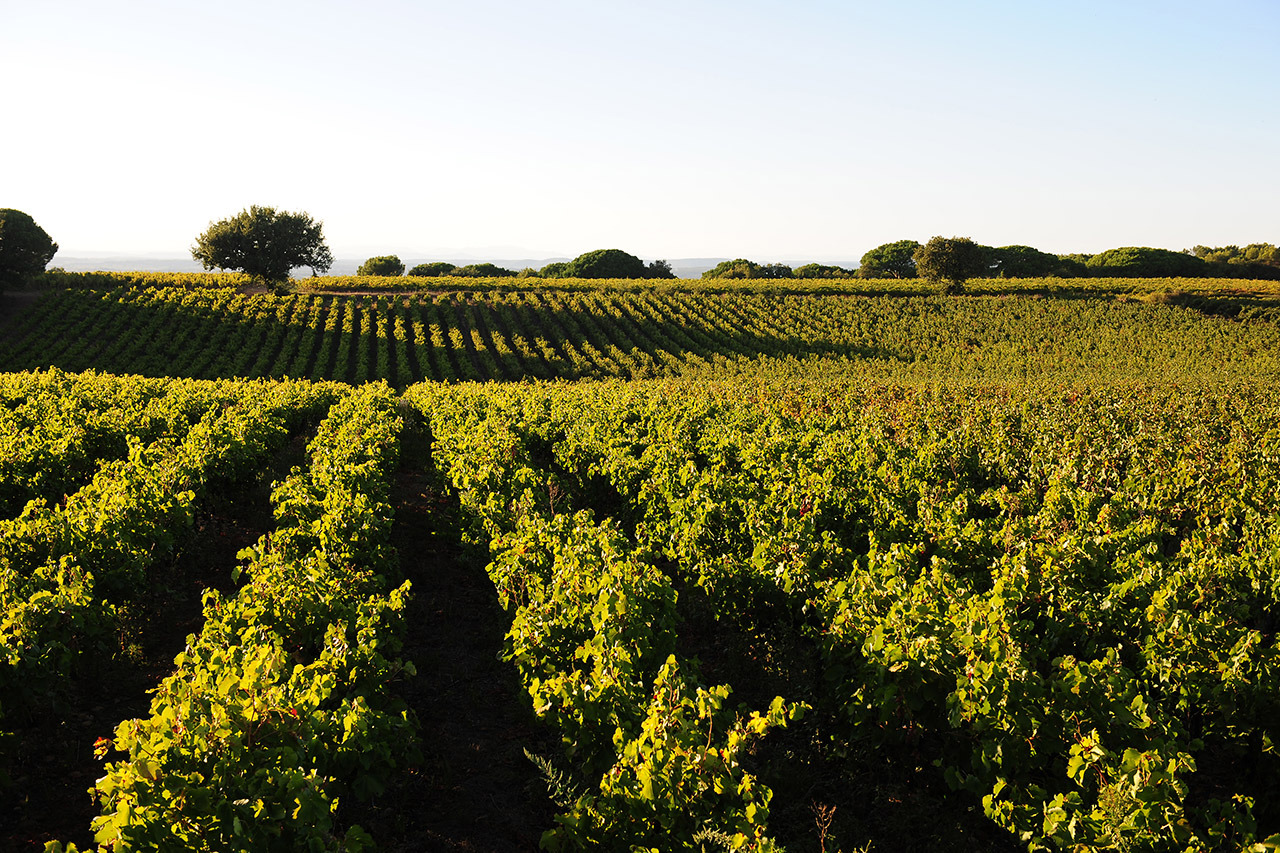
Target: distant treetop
{"x":1025,"y":262}
{"x":608,"y":263}
{"x":382,"y":265}
{"x":485,"y":270}
{"x":1144,"y":262}
{"x":821,"y":271}
{"x":555,"y":269}
{"x":743,"y":268}
{"x":433,"y":268}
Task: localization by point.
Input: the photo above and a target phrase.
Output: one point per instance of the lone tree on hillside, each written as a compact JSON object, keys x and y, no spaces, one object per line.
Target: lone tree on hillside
{"x":891,"y":260}
{"x":382,"y":265}
{"x":951,"y":261}
{"x":264,"y":243}
{"x":25,"y":248}
{"x":608,"y":263}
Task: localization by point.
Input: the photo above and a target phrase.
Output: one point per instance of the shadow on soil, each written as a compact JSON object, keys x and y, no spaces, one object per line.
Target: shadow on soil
{"x":473,"y":789}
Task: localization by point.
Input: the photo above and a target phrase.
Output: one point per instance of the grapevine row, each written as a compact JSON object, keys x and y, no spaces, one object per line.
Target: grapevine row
{"x":279,"y":707}
{"x":659,"y":756}
{"x":1066,"y":602}
{"x":66,"y":567}
{"x":501,"y":335}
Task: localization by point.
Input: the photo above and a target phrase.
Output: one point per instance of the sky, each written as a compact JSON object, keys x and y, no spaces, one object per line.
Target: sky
{"x":800,"y":130}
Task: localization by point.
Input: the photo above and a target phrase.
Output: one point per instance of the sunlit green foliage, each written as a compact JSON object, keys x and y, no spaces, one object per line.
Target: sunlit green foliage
{"x":264,"y":243}
{"x":382,"y":265}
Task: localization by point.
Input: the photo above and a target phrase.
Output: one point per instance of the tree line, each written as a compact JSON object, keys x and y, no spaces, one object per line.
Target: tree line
{"x":268,"y":244}
{"x":901,"y":259}
{"x":600,"y":263}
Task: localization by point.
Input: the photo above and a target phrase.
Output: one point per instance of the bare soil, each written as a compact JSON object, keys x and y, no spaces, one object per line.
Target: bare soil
{"x":474,"y":789}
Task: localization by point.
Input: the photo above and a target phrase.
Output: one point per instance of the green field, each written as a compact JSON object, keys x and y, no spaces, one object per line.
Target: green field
{"x":1113,"y":330}
{"x":817,"y":568}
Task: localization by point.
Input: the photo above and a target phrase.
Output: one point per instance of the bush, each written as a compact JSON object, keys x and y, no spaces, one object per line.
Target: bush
{"x":383,"y":265}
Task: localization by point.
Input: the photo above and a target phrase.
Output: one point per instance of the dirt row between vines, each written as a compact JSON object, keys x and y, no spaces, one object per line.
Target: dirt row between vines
{"x":474,"y":789}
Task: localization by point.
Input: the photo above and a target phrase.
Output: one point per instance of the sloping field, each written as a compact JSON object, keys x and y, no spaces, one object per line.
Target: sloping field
{"x":627,"y":333}
{"x":897,"y":572}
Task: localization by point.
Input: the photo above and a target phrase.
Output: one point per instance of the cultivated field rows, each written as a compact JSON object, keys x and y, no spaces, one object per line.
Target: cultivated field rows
{"x":1058,"y":605}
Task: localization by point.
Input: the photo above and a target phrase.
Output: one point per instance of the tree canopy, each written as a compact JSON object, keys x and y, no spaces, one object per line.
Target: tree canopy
{"x":1144,"y":262}
{"x":951,"y":260}
{"x":25,"y":247}
{"x":743,"y":268}
{"x":264,"y":243}
{"x":1024,"y":262}
{"x":433,"y":268}
{"x":606,"y":263}
{"x":382,"y":265}
{"x":659,"y":269}
{"x":890,"y":260}
{"x":820,"y":271}
{"x":1256,"y":260}
{"x":1254,"y":253}
{"x":484,"y":270}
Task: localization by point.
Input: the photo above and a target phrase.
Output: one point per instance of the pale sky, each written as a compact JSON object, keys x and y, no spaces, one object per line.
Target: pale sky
{"x":768,"y":130}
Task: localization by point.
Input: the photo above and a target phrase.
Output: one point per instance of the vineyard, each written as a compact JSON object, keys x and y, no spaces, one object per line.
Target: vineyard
{"x":610,"y":332}
{"x":814,"y":571}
